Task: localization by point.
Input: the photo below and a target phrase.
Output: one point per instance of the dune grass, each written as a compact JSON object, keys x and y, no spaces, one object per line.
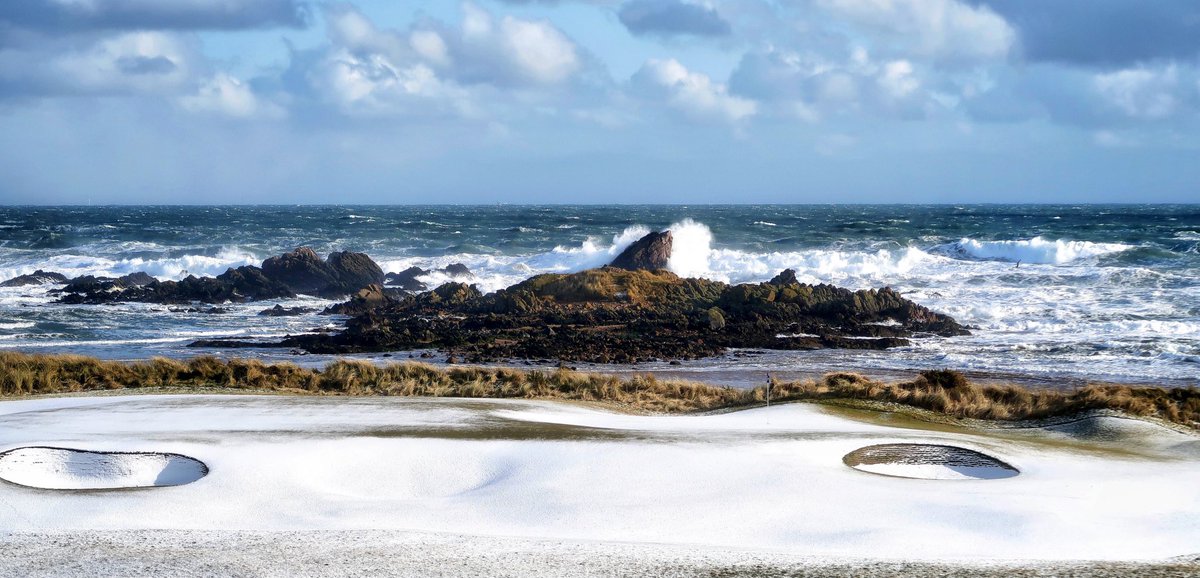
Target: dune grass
{"x":942,"y":391}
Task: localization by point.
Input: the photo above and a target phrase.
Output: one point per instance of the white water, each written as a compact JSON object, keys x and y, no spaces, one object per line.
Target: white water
{"x":1036,"y":305}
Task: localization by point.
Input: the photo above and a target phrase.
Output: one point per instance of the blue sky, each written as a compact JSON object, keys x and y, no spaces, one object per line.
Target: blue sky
{"x":673,"y":101}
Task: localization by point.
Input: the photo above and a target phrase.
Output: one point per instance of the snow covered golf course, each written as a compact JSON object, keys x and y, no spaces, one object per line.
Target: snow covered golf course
{"x":767,"y":483}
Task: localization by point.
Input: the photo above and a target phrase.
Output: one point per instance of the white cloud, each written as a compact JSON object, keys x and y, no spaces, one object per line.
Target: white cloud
{"x":373,"y":84}
{"x":430,"y":45}
{"x":539,"y":50}
{"x":226,"y":95}
{"x":1140,"y":92}
{"x":693,"y":93}
{"x":943,"y":29}
{"x":812,"y":87}
{"x":897,"y":80}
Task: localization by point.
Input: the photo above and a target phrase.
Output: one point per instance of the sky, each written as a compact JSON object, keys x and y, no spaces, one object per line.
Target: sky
{"x":599,"y":101}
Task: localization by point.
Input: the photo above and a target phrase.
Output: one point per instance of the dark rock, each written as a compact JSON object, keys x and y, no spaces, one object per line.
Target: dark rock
{"x":251,"y":283}
{"x":407,"y":279}
{"x":139,"y":279}
{"x":651,"y":253}
{"x":353,"y":272}
{"x":38,"y":277}
{"x":457,"y":270}
{"x":612,"y":315}
{"x":785,"y":277}
{"x":368,"y":298}
{"x":206,"y":310}
{"x":281,"y":311}
{"x":242,"y":284}
{"x":301,"y":271}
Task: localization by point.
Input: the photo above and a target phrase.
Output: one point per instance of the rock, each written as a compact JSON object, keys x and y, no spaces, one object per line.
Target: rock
{"x":407,"y":279}
{"x":249,"y":282}
{"x":368,"y":298}
{"x":612,"y":315}
{"x":38,"y":277}
{"x":281,"y":311}
{"x":205,"y":310}
{"x":139,"y":279}
{"x":301,"y":271}
{"x":353,"y":271}
{"x":785,"y":277}
{"x":242,"y":284}
{"x":456,"y":270}
{"x":716,"y":319}
{"x":651,"y":253}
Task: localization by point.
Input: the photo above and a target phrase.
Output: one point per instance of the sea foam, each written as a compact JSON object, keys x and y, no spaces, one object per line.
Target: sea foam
{"x":1036,"y":250}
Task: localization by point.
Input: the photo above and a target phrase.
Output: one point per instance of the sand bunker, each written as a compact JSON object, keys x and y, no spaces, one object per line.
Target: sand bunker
{"x":68,"y":469}
{"x":928,"y":462}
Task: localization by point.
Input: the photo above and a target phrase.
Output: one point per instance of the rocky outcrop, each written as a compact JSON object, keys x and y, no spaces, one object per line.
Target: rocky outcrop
{"x":407,"y":279}
{"x":304,"y":272}
{"x":38,"y":277}
{"x":281,"y":311}
{"x":353,"y":271}
{"x":246,"y":283}
{"x":287,"y":275}
{"x":368,"y":298}
{"x":651,"y":253}
{"x":611,"y":315}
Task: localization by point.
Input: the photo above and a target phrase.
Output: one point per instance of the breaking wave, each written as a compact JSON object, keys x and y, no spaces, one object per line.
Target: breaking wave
{"x":1036,"y":250}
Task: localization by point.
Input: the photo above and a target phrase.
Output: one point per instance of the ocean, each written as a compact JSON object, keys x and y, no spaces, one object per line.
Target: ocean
{"x":1052,"y":293}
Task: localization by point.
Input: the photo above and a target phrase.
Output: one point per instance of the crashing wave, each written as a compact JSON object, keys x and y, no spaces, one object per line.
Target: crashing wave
{"x":1036,"y":250}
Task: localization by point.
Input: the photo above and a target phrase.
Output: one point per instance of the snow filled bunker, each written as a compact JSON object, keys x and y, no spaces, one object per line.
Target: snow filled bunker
{"x":928,"y":462}
{"x":70,"y":469}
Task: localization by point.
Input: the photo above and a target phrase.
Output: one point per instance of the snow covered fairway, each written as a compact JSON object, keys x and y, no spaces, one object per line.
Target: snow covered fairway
{"x":490,"y":478}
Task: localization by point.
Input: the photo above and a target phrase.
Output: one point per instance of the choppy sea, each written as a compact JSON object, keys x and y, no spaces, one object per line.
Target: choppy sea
{"x":1053,"y":293}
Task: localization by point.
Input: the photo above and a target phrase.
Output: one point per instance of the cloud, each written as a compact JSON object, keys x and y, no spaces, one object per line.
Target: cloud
{"x":475,"y":69}
{"x":945,"y":30}
{"x":1144,"y":93}
{"x":1109,"y":33}
{"x":227,"y":96}
{"x":671,"y":18}
{"x":60,"y":16}
{"x":506,"y":51}
{"x":125,"y":63}
{"x":692,"y":93}
{"x":812,"y":87}
{"x":1137,"y":95}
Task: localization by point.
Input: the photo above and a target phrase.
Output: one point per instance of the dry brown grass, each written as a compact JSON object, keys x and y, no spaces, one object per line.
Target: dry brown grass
{"x":942,"y":391}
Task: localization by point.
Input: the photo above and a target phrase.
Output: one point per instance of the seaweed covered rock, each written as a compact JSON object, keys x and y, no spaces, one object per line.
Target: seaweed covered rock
{"x":612,"y":315}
